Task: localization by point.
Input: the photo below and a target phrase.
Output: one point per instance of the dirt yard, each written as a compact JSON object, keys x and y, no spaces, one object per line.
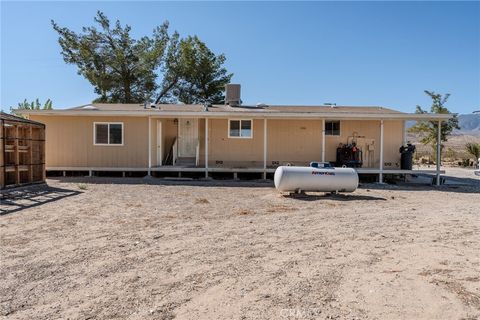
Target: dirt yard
{"x":149,"y":249}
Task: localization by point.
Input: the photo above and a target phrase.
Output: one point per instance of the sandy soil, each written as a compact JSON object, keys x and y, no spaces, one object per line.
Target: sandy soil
{"x":454,"y":174}
{"x":146,"y":249}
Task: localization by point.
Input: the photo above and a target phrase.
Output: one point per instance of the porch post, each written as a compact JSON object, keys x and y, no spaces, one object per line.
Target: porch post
{"x":149,"y":146}
{"x":404,"y":132}
{"x":265,"y":148}
{"x":439,"y":138}
{"x":323,"y":140}
{"x":206,"y":147}
{"x":380,"y":177}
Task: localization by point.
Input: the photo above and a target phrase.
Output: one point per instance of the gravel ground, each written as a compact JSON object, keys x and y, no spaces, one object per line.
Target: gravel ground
{"x":87,"y":248}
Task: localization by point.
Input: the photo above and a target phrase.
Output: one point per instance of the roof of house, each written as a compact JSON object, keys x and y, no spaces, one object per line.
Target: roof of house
{"x":227,"y":108}
{"x":11,"y":118}
{"x":260,"y":111}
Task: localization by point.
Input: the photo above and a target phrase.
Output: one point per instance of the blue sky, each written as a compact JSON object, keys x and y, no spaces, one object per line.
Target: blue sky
{"x":350,"y":53}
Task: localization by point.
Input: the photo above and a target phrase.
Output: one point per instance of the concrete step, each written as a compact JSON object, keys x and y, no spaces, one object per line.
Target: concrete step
{"x":185,"y":161}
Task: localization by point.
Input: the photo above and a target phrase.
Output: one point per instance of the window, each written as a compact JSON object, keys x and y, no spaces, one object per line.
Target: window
{"x":332,"y":128}
{"x":108,"y":133}
{"x":240,"y":129}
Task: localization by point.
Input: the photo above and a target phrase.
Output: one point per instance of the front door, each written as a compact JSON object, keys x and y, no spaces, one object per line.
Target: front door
{"x":187,"y":137}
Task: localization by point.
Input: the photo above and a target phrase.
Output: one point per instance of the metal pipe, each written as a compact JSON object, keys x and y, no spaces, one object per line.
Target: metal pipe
{"x":265,"y":148}
{"x":439,"y":144}
{"x":323,"y":140}
{"x":149,"y":146}
{"x":380,"y":177}
{"x":206,"y":147}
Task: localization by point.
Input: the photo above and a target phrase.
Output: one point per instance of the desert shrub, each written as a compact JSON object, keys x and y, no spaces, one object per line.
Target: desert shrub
{"x":82,"y":186}
{"x":464,"y":163}
{"x":450,"y":153}
{"x":473,"y":149}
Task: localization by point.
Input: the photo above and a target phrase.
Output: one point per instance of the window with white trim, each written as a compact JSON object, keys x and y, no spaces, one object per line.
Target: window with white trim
{"x":332,"y":128}
{"x":240,"y":128}
{"x":108,"y":133}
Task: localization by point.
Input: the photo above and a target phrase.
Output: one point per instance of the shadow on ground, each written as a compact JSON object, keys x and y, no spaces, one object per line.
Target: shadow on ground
{"x":453,"y":184}
{"x":463,"y":180}
{"x":338,"y":197}
{"x":167,"y":181}
{"x":13,"y":200}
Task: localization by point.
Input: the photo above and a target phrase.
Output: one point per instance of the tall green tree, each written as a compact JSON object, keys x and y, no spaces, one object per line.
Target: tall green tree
{"x":429,"y":129}
{"x":173,"y":71}
{"x":127,"y":70}
{"x":34,"y":105}
{"x":204,"y":75}
{"x":121,"y":68}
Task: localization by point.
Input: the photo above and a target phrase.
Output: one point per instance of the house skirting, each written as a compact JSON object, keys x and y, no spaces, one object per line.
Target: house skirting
{"x":235,"y":171}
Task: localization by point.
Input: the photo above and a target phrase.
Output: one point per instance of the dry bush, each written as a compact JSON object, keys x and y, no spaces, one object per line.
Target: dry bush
{"x":469,"y":298}
{"x":245,"y":212}
{"x":82,"y":186}
{"x":279,"y":208}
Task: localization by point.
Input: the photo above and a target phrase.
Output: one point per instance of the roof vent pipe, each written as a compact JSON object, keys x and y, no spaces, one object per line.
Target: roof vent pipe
{"x":148,"y":105}
{"x":89,"y":107}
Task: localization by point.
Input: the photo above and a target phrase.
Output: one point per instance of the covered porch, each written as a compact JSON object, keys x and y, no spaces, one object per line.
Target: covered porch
{"x":203,"y":145}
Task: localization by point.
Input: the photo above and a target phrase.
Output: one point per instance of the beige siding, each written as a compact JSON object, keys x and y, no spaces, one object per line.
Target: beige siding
{"x":393,"y":137}
{"x":368,"y":133}
{"x":294,"y":141}
{"x":69,"y":142}
{"x":300,"y":141}
{"x":240,"y":152}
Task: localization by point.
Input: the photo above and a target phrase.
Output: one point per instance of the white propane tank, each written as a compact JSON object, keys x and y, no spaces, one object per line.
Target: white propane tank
{"x":315,"y":179}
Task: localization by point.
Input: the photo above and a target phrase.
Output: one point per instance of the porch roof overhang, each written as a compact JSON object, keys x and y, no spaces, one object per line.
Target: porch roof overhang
{"x":254,"y":114}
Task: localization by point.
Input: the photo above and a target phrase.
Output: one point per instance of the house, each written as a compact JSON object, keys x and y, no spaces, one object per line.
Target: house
{"x":230,"y":138}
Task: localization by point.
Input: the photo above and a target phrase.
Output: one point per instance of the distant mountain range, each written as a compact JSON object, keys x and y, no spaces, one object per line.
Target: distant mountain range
{"x":469,"y":132}
{"x":469,"y":125}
